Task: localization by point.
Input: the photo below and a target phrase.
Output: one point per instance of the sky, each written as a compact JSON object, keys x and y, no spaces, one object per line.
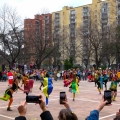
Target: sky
{"x":28,"y":8}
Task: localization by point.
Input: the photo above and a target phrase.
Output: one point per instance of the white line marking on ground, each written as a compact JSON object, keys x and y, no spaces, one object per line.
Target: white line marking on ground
{"x":28,"y":103}
{"x":107,"y":116}
{"x":7,"y":106}
{"x":7,"y":117}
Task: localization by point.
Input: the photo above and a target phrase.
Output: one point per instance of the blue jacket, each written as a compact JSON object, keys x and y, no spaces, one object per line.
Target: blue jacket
{"x":94,"y":115}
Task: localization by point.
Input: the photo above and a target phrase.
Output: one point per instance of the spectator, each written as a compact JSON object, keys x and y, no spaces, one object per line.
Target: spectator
{"x":67,"y":114}
{"x":94,"y":115}
{"x":3,"y":67}
{"x":45,"y":115}
{"x":117,"y":117}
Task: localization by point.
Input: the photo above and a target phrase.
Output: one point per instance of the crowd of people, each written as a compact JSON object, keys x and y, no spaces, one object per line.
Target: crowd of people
{"x":71,"y":79}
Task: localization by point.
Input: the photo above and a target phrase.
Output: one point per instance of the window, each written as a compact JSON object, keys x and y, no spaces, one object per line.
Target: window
{"x":85,"y":9}
{"x":72,"y":12}
{"x":95,"y":16}
{"x":57,"y":15}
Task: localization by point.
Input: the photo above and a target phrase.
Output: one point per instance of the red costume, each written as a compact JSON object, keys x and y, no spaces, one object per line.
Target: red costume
{"x":10,"y":77}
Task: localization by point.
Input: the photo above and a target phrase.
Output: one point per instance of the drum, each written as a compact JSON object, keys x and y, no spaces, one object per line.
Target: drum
{"x":58,"y":75}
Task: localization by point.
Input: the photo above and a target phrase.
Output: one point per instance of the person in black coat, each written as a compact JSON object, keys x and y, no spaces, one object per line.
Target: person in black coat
{"x":45,"y":115}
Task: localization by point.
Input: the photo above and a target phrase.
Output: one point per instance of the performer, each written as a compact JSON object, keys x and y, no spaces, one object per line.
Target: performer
{"x":67,"y":80}
{"x":96,"y":77}
{"x":105,"y":80}
{"x":113,"y":86}
{"x":10,"y":78}
{"x":18,"y":75}
{"x":47,"y":87}
{"x":8,"y":93}
{"x":99,"y":82}
{"x":74,"y":85}
{"x":118,"y":75}
{"x":28,"y":83}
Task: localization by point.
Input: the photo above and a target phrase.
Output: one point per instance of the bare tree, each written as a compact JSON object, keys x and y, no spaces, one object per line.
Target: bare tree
{"x":39,"y":40}
{"x":11,"y":34}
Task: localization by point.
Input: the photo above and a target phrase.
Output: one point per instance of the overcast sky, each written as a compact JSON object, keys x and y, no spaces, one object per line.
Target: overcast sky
{"x":28,"y":8}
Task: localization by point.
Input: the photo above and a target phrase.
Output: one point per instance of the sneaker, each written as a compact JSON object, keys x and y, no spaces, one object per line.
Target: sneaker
{"x":8,"y":109}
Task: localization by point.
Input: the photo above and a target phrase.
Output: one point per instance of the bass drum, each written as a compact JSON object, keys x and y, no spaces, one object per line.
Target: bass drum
{"x":58,"y":75}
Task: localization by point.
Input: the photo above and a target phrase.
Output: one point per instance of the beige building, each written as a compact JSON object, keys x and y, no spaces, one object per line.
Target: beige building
{"x":68,"y":21}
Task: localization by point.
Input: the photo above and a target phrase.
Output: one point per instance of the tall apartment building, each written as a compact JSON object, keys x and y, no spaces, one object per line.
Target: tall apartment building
{"x":37,"y":30}
{"x":70,"y":19}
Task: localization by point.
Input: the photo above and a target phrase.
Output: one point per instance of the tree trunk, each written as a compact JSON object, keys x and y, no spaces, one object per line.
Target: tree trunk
{"x":11,"y":64}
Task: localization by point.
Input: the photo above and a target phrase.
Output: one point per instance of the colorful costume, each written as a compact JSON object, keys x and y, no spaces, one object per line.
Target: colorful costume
{"x":113,"y":85}
{"x":74,"y":86}
{"x":10,"y":77}
{"x":105,"y":80}
{"x":47,"y":89}
{"x":100,"y":83}
{"x":8,"y":94}
{"x":113,"y":88}
{"x":28,"y":84}
{"x":5,"y":96}
{"x":67,"y":82}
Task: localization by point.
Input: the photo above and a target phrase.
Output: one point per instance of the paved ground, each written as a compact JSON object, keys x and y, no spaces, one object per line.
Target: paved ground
{"x":87,"y":100}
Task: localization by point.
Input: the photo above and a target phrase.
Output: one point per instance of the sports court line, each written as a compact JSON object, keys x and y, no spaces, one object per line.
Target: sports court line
{"x":7,"y":117}
{"x":107,"y":116}
{"x":7,"y":106}
{"x":84,"y":99}
{"x":91,"y":100}
{"x":28,"y":103}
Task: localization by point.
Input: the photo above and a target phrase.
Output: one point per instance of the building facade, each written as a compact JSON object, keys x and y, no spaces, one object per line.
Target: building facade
{"x":38,"y":35}
{"x":70,"y":20}
{"x":72,"y":30}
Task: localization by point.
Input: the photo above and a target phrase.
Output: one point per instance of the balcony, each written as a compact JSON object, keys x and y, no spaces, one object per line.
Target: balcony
{"x":72,"y":17}
{"x":85,"y":25}
{"x":85,"y":21}
{"x":57,"y":20}
{"x":85,"y":14}
{"x":72,"y":34}
{"x":46,"y":18}
{"x":104,"y":15}
{"x":118,"y":1}
{"x":72,"y":26}
{"x":72,"y":21}
{"x":56,"y":24}
{"x":85,"y":17}
{"x":47,"y":26}
{"x":86,"y":9}
{"x":104,"y":5}
{"x":72,"y":30}
{"x":57,"y":17}
{"x":104,"y":21}
{"x":72,"y":13}
{"x":118,"y":8}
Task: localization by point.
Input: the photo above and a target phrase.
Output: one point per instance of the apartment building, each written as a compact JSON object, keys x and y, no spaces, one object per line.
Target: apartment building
{"x":69,"y":20}
{"x":38,"y":32}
